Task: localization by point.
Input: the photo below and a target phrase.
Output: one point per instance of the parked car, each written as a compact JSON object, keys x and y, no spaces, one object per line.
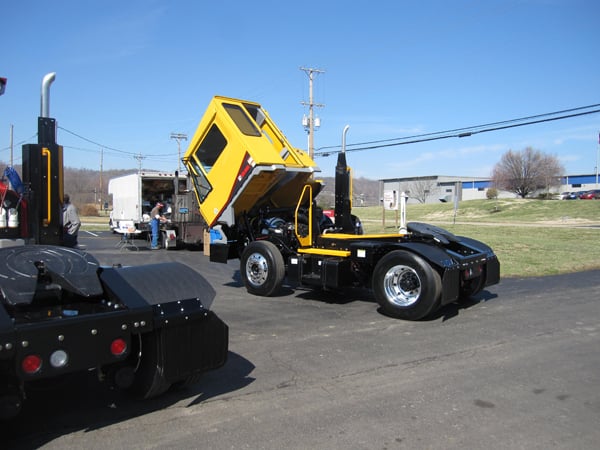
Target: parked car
{"x":569,"y":196}
{"x":590,"y":195}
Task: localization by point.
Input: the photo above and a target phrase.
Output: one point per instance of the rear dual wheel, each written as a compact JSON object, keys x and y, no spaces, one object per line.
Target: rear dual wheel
{"x":406,"y":286}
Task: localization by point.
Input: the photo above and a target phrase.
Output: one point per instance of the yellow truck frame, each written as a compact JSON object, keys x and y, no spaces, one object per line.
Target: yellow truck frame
{"x":258,"y":192}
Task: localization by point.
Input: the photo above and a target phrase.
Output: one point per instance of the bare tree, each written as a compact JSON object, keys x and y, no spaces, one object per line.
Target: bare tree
{"x":526,"y":171}
{"x":422,"y":188}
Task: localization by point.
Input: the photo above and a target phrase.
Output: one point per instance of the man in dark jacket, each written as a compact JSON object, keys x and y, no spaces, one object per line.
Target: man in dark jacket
{"x":71,"y":223}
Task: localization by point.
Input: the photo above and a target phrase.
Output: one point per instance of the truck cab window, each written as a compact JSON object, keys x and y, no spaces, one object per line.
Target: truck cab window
{"x":211,"y":147}
{"x":256,"y":113}
{"x":241,"y":119}
{"x":201,"y":183}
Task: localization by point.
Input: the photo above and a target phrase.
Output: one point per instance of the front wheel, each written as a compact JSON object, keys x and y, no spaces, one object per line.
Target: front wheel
{"x":406,"y":286}
{"x":262,"y":268}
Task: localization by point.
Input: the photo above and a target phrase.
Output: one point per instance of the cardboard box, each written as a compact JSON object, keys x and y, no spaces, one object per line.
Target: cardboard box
{"x":206,"y":242}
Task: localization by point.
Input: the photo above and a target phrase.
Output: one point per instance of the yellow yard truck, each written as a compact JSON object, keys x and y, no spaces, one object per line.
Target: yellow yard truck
{"x":257,"y":192}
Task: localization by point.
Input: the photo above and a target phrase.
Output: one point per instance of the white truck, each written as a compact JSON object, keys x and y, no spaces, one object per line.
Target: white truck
{"x":134,"y":196}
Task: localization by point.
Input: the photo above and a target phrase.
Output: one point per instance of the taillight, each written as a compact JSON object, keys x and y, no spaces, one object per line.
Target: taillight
{"x":472,"y":272}
{"x":118,"y":347}
{"x":31,"y":364}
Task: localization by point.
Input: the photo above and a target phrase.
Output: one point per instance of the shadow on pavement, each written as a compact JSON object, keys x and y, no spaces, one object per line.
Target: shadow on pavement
{"x":81,"y":403}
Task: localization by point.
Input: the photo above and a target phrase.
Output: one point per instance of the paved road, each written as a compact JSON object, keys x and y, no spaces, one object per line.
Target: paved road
{"x":519,"y":368}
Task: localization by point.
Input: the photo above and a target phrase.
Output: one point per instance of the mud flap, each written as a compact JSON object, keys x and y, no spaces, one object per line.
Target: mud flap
{"x":193,"y":347}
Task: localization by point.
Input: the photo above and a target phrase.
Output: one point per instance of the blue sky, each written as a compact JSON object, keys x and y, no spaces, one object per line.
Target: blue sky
{"x":129,"y":73}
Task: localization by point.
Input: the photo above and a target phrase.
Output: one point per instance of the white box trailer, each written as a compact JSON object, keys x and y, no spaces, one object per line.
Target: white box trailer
{"x":134,"y":196}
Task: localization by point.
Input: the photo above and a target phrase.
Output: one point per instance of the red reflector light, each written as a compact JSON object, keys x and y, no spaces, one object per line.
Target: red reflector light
{"x":31,"y":364}
{"x":118,"y":347}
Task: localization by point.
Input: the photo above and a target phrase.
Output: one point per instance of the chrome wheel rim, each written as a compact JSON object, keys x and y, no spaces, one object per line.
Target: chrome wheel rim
{"x":402,"y":285}
{"x":257,"y":269}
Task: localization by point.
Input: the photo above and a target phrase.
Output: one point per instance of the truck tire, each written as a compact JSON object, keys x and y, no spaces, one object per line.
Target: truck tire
{"x":406,"y":286}
{"x":150,"y":378}
{"x":471,"y":287}
{"x":262,"y":268}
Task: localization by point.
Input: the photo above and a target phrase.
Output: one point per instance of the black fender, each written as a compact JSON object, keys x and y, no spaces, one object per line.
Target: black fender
{"x":371,"y":251}
{"x":157,"y":284}
{"x":492,"y":275}
{"x":188,"y":337}
{"x":442,"y":263}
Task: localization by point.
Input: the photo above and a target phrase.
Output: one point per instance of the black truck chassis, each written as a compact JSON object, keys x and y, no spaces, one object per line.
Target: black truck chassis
{"x":143,"y":328}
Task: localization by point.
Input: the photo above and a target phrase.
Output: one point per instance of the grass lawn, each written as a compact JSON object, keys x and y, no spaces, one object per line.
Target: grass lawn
{"x":530,"y":237}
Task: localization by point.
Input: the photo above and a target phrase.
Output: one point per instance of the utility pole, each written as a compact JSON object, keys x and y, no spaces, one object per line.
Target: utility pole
{"x":139,"y":157}
{"x":597,"y":158}
{"x":11,"y":144}
{"x":178,"y":137}
{"x":101,"y":161}
{"x":309,"y":122}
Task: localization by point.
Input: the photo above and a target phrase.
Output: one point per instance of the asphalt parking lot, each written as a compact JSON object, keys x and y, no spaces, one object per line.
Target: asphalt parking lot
{"x":517,"y":368}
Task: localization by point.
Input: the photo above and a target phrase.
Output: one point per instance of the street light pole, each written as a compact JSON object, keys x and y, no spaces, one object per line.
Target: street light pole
{"x":597,"y":159}
{"x":178,"y":137}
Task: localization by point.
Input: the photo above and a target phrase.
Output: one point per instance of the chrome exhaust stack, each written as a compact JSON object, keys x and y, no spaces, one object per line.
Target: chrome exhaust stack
{"x":45,"y":101}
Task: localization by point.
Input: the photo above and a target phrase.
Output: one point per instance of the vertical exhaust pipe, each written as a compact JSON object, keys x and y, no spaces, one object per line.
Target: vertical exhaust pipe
{"x":46,"y":125}
{"x":343,"y":202}
{"x":45,"y":102}
{"x":43,"y":175}
{"x":346,"y":128}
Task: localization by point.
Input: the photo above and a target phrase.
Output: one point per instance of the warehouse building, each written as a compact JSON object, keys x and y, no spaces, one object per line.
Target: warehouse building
{"x":439,"y":188}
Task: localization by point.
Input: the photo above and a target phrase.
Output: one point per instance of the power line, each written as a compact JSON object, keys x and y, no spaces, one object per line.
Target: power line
{"x":96,"y":143}
{"x":16,"y":144}
{"x":465,"y":131}
{"x":371,"y":145}
{"x":474,"y":126}
{"x":107,"y":147}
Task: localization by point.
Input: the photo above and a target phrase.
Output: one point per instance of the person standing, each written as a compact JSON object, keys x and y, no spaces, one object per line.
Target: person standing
{"x":156,"y":218}
{"x":71,"y":223}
